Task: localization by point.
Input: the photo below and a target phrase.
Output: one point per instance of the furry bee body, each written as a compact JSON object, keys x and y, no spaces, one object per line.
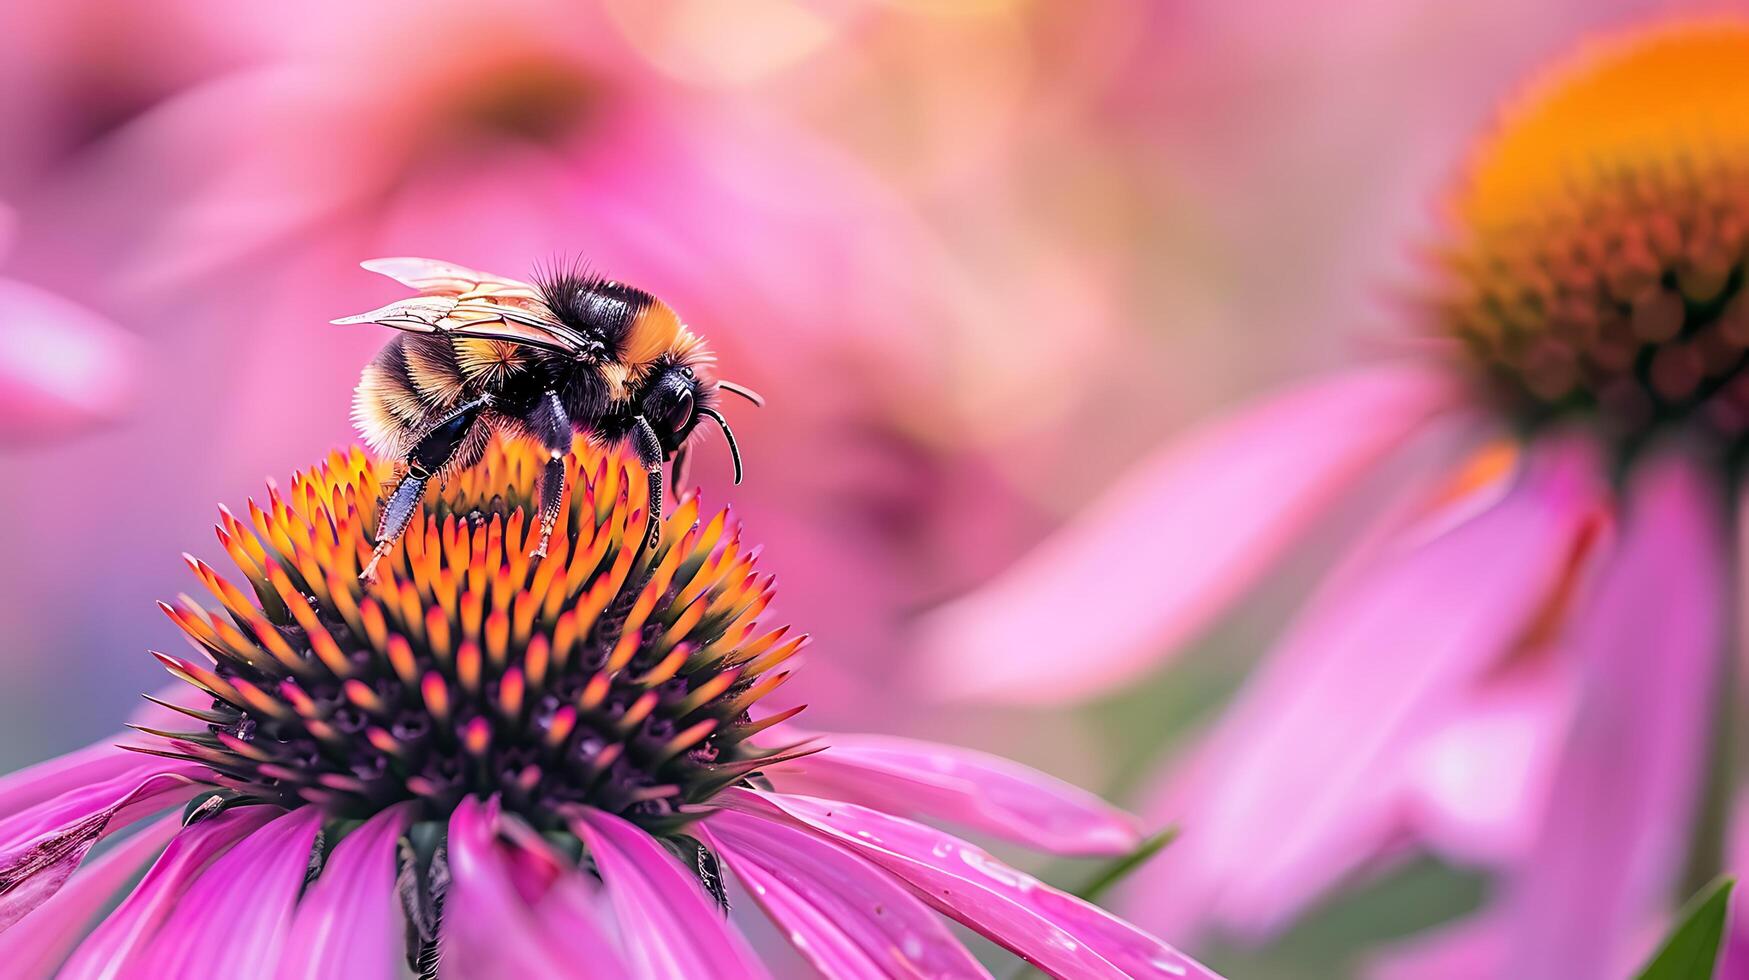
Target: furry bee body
{"x":480,"y":356}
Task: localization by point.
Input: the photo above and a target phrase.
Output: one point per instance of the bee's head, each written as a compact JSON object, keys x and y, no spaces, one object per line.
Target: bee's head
{"x":671,"y":403}
{"x":677,"y":397}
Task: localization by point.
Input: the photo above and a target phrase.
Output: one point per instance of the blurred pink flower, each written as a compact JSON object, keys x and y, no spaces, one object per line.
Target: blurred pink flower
{"x":553,"y":797}
{"x":1517,"y":664}
{"x":63,"y":368}
{"x":234,"y":213}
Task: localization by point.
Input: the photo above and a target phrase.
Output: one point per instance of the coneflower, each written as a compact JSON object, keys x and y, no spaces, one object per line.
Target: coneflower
{"x":485,"y":764}
{"x":1520,"y":664}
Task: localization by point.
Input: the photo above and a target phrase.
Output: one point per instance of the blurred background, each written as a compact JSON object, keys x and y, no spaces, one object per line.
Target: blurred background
{"x":979,"y":256}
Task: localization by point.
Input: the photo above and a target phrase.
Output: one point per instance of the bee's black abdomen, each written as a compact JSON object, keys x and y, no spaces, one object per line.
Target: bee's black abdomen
{"x":595,"y":307}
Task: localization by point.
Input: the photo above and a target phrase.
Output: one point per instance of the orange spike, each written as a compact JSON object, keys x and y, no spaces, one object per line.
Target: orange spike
{"x":412,"y":611}
{"x":564,"y":721}
{"x":707,"y":692}
{"x":228,"y":595}
{"x":194,"y":625}
{"x":437,"y":633}
{"x":766,"y":685}
{"x":743,"y":732}
{"x":594,"y":692}
{"x":360,"y":693}
{"x":436,"y":695}
{"x":477,"y":736}
{"x":384,"y":741}
{"x":242,"y":748}
{"x":473,"y":610}
{"x":683,"y":625}
{"x":261,"y":702}
{"x":666,"y":668}
{"x":564,"y":638}
{"x":447,"y":594}
{"x":778,"y":656}
{"x":535,"y":660}
{"x":510,"y":691}
{"x":400,"y":655}
{"x":522,"y":612}
{"x":467,"y":667}
{"x":639,"y":710}
{"x":376,"y":629}
{"x":340,"y":597}
{"x":498,"y":638}
{"x":201,"y":678}
{"x":685,"y":739}
{"x":748,"y":651}
{"x":317,"y":634}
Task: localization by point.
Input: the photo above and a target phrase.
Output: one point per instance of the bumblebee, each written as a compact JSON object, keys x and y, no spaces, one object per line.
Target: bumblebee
{"x":571,"y":352}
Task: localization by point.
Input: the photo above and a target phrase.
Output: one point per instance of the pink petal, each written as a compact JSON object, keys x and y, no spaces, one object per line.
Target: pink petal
{"x":489,"y":929}
{"x":975,"y":789}
{"x":1623,"y":799}
{"x":62,"y":367}
{"x":233,"y":921}
{"x":42,"y":846}
{"x":96,"y":763}
{"x":1174,"y":544}
{"x":1055,"y":931}
{"x":1734,"y":951}
{"x":1477,"y":783}
{"x":1301,"y":780}
{"x":127,"y":931}
{"x":55,"y":926}
{"x":670,"y":927}
{"x":349,"y":921}
{"x":847,"y":917}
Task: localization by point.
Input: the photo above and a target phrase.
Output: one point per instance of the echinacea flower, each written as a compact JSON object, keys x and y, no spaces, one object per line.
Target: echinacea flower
{"x":486,"y":764}
{"x":1518,"y":664}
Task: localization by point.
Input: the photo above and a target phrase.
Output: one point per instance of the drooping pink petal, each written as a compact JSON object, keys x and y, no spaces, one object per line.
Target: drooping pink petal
{"x":1173,"y":544}
{"x":96,"y":763}
{"x":489,"y":930}
{"x":62,"y":367}
{"x":42,"y":846}
{"x":46,"y":935}
{"x":1302,"y":780}
{"x":1056,"y":931}
{"x":126,"y":932}
{"x":1734,"y":949}
{"x":234,"y":919}
{"x":1477,"y":783}
{"x":668,"y":925}
{"x":349,"y":921}
{"x":1621,"y":806}
{"x":974,"y":789}
{"x":845,"y":916}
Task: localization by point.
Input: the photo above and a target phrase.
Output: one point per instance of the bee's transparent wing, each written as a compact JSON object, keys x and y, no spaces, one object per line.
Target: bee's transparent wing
{"x":464,"y":303}
{"x":430,"y":276}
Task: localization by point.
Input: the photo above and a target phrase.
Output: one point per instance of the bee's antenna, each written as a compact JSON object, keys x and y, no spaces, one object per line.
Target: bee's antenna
{"x":745,"y":392}
{"x":729,"y":435}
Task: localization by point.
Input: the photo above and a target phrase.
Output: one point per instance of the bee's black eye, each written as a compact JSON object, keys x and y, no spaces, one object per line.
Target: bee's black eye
{"x":680,"y":413}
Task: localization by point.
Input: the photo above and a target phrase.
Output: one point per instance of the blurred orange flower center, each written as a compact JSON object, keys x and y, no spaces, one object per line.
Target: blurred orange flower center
{"x":1603,"y":230}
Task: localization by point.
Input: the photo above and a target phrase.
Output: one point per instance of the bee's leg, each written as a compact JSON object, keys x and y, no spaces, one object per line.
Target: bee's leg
{"x":649,"y":449}
{"x":552,"y":426}
{"x":552,"y":493}
{"x":429,"y":455}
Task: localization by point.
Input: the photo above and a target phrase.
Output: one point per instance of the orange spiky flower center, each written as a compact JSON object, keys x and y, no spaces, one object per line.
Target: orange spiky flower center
{"x":605,"y":674}
{"x":1603,"y":235}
